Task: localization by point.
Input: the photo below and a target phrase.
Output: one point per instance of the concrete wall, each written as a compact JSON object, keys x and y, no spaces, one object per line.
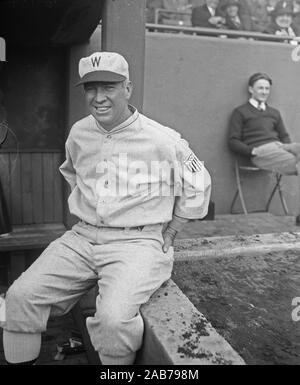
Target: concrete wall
{"x":192,"y":84}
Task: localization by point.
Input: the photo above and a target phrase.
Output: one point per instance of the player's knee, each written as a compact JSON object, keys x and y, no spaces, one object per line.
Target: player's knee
{"x":111,"y":319}
{"x":17,"y":293}
{"x":104,"y":329}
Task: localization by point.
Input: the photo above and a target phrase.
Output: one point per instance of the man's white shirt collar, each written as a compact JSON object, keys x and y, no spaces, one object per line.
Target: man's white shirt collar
{"x":257,"y":105}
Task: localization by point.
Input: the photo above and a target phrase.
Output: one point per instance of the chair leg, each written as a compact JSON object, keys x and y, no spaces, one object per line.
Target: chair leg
{"x":240,"y":191}
{"x":233,"y":201}
{"x":283,"y":201}
{"x":272,"y":194}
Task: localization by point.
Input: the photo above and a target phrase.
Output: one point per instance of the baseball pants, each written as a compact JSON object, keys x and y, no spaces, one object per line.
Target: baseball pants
{"x":128,"y":265}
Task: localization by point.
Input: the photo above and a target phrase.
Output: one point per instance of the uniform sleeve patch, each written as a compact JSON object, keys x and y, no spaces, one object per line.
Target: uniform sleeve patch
{"x":193,"y":163}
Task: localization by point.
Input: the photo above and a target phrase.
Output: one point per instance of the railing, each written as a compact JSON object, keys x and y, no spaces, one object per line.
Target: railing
{"x":224,"y":33}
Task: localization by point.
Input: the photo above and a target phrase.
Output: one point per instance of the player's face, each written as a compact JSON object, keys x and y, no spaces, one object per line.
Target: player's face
{"x":260,"y":90}
{"x":108,"y":102}
{"x":232,"y":11}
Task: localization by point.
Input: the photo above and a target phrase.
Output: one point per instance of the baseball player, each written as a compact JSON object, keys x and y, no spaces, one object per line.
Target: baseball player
{"x":134,"y":184}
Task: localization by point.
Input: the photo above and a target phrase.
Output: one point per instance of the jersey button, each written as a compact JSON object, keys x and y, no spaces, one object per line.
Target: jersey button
{"x":106,"y":183}
{"x":108,"y":136}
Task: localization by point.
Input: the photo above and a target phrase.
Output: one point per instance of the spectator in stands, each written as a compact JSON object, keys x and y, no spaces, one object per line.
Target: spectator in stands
{"x":296,"y":6}
{"x":208,"y":15}
{"x":258,"y":13}
{"x":179,"y":7}
{"x":296,"y":14}
{"x":234,"y":18}
{"x":271,"y":4}
{"x":282,"y":21}
{"x":169,"y":5}
{"x":176,"y":5}
{"x":257,"y":131}
{"x":151,"y":6}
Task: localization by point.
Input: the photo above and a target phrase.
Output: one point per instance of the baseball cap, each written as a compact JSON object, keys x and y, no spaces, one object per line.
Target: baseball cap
{"x":229,"y":3}
{"x":103,"y":67}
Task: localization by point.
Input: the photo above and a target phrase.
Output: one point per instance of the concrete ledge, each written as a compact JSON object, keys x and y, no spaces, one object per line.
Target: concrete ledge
{"x":176,"y":333}
{"x":230,"y":246}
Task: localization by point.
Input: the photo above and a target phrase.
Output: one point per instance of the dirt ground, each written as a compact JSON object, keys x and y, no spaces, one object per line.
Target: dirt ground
{"x":249,"y":299}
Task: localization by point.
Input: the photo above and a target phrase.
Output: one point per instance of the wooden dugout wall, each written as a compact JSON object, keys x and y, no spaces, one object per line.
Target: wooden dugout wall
{"x":32,"y":186}
{"x":33,"y":84}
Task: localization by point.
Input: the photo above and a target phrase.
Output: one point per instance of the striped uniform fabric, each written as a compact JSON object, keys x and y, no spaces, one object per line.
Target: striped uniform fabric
{"x":193,"y":163}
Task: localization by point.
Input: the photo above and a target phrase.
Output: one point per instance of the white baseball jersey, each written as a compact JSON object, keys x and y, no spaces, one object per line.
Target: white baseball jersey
{"x":137,"y":174}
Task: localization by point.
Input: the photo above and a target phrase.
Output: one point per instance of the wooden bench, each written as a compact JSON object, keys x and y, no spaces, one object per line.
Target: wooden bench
{"x":24,"y":239}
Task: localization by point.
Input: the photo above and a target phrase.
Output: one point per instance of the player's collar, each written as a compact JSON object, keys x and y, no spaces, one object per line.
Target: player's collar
{"x":128,"y":122}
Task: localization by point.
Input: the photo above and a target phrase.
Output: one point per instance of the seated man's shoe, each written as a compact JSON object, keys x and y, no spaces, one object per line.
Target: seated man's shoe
{"x":298,"y":220}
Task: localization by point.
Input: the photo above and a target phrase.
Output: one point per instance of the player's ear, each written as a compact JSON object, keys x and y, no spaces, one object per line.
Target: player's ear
{"x":128,"y":87}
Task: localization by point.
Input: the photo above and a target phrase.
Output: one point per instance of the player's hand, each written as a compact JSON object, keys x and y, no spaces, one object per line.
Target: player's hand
{"x":254,"y":151}
{"x":282,"y":32}
{"x":169,"y":237}
{"x":294,"y":148}
{"x":218,"y":21}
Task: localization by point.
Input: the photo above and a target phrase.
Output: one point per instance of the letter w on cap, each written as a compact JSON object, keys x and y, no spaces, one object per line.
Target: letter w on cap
{"x":95,"y":60}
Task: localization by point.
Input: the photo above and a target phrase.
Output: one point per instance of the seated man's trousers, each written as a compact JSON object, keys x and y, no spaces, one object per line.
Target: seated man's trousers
{"x":272,"y":156}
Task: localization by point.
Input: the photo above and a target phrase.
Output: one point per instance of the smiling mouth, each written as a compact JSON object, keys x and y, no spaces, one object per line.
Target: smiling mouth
{"x":102,"y":109}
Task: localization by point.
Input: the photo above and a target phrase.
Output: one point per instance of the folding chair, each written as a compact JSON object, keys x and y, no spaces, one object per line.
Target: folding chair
{"x":245,"y":165}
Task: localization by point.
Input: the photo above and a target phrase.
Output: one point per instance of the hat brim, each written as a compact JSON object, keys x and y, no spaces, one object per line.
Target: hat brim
{"x":281,"y":12}
{"x":230,"y":4}
{"x":101,"y":76}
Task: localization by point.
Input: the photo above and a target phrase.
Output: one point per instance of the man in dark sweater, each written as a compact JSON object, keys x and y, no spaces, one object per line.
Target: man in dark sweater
{"x":257,"y":131}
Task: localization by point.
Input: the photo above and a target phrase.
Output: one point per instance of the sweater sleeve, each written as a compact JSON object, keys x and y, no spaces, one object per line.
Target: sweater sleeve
{"x":235,"y":140}
{"x":282,"y":132}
